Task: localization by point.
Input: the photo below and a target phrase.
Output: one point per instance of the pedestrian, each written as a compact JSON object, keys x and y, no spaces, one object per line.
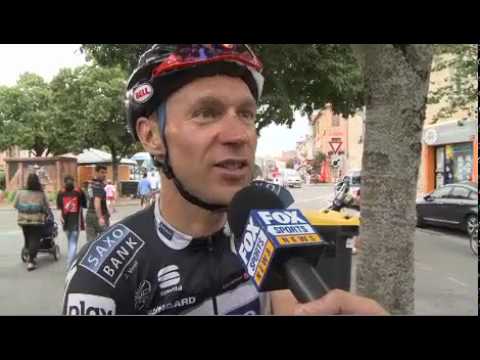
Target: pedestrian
{"x":154,"y":181}
{"x":70,"y":201}
{"x":177,"y":257}
{"x":111,"y":192}
{"x":98,"y":217}
{"x":144,"y":190}
{"x":155,"y":185}
{"x":33,"y":207}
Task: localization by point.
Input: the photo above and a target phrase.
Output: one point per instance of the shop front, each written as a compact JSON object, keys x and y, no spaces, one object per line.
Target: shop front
{"x":449,"y":154}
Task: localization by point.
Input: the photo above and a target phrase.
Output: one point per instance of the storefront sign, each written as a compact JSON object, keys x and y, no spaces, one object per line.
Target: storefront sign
{"x":450,"y":133}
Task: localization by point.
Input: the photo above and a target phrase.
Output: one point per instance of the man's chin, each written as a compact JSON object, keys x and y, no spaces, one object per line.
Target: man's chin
{"x":226,"y":194}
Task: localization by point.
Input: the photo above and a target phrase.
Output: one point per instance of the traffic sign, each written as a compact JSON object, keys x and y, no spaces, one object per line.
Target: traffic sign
{"x":335,"y":145}
{"x":336,"y":161}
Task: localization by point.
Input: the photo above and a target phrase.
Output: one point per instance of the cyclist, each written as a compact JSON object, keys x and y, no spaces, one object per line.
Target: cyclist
{"x":194,"y":111}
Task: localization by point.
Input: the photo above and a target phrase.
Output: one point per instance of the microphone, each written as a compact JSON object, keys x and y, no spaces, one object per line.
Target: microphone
{"x":283,"y":194}
{"x":277,"y":246}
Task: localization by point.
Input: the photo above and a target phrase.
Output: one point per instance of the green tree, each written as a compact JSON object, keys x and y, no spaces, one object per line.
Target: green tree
{"x":460,"y":91}
{"x":318,"y":162}
{"x":91,"y":101}
{"x":26,"y":117}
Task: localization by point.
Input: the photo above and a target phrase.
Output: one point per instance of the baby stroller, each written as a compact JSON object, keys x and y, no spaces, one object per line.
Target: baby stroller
{"x":47,"y":241}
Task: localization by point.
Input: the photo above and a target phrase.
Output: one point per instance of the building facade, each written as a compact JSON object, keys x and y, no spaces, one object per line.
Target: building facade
{"x":449,"y":145}
{"x":449,"y":154}
{"x":340,"y":139}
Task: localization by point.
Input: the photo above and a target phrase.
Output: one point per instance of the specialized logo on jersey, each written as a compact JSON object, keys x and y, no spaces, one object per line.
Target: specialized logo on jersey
{"x":111,"y":253}
{"x":169,"y":280}
{"x":86,"y":304}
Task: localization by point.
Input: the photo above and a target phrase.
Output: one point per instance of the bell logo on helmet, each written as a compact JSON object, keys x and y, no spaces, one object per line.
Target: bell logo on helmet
{"x":143,"y":93}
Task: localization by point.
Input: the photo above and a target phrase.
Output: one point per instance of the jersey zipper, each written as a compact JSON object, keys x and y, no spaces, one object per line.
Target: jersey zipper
{"x":212,"y":269}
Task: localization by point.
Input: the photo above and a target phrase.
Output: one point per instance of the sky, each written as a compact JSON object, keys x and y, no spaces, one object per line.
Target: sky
{"x":47,"y":59}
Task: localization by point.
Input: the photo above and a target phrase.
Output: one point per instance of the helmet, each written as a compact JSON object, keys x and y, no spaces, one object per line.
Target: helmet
{"x":165,"y":68}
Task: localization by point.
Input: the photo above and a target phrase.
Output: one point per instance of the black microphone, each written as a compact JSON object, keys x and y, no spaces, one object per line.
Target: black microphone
{"x":277,"y":246}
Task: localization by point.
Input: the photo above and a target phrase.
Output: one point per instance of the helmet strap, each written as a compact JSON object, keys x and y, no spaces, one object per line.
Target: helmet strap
{"x":166,"y":167}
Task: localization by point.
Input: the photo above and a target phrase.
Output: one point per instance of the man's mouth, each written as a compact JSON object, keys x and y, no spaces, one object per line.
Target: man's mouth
{"x":232,"y":164}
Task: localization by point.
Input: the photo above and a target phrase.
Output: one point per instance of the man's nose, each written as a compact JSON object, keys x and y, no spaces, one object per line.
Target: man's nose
{"x":235,"y":130}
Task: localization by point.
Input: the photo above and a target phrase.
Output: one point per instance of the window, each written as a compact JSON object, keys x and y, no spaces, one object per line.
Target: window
{"x":442,"y":192}
{"x":460,"y":193}
{"x":356,"y":180}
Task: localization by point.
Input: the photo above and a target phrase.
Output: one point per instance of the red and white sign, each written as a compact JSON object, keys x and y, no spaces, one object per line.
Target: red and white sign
{"x":143,"y":93}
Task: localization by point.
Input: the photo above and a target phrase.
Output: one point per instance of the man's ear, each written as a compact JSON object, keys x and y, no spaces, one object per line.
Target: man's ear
{"x":149,"y":135}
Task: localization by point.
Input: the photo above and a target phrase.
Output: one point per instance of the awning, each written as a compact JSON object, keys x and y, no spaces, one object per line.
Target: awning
{"x":450,"y":132}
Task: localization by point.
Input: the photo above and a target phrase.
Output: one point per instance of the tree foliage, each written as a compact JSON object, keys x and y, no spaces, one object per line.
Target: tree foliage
{"x":460,"y":90}
{"x":299,"y":77}
{"x":80,"y":108}
{"x":91,"y":102}
{"x":26,"y":116}
{"x":318,"y":161}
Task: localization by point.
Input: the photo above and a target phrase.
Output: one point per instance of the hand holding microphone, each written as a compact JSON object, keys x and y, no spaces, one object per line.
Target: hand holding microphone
{"x":277,"y":246}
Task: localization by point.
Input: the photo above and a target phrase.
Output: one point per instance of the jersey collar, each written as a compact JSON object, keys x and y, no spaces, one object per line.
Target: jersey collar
{"x":174,"y":239}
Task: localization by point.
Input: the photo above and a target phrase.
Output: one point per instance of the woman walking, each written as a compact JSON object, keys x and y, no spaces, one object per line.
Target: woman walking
{"x":32,"y":206}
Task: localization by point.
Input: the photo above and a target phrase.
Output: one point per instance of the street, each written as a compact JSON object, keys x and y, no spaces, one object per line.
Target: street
{"x":446,"y":270}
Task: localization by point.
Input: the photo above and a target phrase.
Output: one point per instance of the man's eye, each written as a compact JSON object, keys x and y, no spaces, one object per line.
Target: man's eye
{"x":247,"y":114}
{"x":206,"y":113}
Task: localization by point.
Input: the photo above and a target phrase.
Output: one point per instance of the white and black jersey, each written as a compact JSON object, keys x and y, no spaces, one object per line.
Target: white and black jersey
{"x":143,"y":266}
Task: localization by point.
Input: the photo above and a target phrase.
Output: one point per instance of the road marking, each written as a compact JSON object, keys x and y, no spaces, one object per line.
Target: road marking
{"x":422,"y":266}
{"x":457,"y":281}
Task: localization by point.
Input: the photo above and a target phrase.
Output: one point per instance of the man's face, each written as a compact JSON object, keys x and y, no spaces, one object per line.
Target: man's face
{"x":102,"y":174}
{"x":211,"y":137}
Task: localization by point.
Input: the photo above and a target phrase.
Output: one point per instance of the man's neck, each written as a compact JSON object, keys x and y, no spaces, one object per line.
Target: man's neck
{"x":186,"y":217}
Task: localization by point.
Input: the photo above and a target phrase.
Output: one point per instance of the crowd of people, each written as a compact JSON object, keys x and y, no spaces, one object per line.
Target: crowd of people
{"x":34,"y":210}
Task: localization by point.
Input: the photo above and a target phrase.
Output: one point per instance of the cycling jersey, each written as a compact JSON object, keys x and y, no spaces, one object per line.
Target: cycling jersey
{"x":143,"y":265}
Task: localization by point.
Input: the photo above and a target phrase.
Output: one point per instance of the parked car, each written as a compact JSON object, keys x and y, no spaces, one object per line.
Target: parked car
{"x":354,"y":180}
{"x":291,"y":178}
{"x":453,"y":205}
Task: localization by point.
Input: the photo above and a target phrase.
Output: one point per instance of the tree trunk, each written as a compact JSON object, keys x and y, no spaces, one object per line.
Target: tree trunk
{"x":397,"y":80}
